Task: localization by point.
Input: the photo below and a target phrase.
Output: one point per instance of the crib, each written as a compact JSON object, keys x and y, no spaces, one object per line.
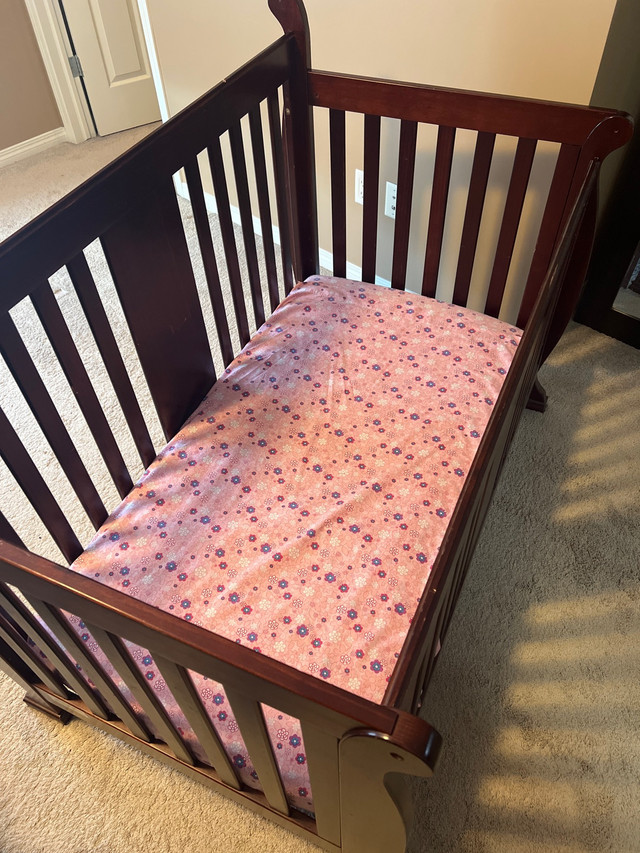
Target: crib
{"x":245,"y":160}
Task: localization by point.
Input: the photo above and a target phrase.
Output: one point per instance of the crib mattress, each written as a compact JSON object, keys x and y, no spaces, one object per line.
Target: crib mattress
{"x":300,"y":509}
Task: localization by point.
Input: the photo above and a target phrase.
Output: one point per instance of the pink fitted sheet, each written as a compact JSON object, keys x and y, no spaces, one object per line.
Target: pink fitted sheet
{"x":300,"y":509}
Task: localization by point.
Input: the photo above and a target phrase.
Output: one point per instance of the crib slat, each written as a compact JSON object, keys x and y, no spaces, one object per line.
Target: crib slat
{"x":21,"y":465}
{"x":87,"y":293}
{"x":228,"y":238}
{"x":279,"y":171}
{"x":39,"y":400}
{"x":262,"y":187}
{"x":9,"y":534}
{"x":151,"y":268}
{"x":115,"y":650}
{"x":250,"y":720}
{"x":473,"y":215}
{"x":246,"y":218}
{"x":338,"y":192}
{"x":207,"y":253}
{"x":15,"y":641}
{"x":59,"y":625}
{"x":510,"y":221}
{"x":59,"y":335}
{"x":404,"y":197}
{"x":371,"y":168}
{"x":438,"y":208}
{"x":321,"y":750}
{"x":551,"y":220}
{"x":21,"y":616}
{"x":181,"y":686}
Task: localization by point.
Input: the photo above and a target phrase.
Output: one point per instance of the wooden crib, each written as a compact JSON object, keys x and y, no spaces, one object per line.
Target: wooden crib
{"x":259,"y":132}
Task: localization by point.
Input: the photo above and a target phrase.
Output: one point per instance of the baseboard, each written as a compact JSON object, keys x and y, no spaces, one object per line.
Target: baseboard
{"x":353,"y":272}
{"x":32,"y":146}
{"x":325,"y":257}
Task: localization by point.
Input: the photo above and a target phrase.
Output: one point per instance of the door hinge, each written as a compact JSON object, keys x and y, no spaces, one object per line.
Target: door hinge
{"x":76,"y":68}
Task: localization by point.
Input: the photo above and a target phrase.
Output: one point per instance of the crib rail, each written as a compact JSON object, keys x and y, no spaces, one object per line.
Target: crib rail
{"x":479,"y":111}
{"x":523,"y":245}
{"x":71,"y":224}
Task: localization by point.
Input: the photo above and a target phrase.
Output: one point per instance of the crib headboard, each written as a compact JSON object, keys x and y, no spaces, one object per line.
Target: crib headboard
{"x":518,"y":244}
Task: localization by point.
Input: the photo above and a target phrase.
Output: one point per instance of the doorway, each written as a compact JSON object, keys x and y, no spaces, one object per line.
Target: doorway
{"x":111,"y":59}
{"x":98,"y":64}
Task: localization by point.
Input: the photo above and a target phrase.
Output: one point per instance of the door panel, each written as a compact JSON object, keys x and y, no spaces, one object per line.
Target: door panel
{"x":108,"y":39}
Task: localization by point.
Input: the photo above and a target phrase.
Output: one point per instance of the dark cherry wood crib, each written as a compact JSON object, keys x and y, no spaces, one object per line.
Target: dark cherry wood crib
{"x":257,"y":134}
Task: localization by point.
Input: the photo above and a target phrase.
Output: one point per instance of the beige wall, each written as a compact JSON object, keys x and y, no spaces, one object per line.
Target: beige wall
{"x":201,"y":41}
{"x":535,"y":48}
{"x":548,"y":49}
{"x":27,"y":105}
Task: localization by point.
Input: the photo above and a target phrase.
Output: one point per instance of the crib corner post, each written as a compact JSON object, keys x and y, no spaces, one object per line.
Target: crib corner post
{"x":574,"y":276}
{"x":292,"y":17}
{"x":299,"y":139}
{"x":376,"y":806}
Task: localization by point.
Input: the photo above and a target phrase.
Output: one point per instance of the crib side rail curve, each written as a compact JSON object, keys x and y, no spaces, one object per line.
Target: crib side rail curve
{"x":344,"y":737}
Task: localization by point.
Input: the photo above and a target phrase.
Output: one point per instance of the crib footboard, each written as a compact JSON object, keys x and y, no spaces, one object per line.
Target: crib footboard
{"x":353,"y":749}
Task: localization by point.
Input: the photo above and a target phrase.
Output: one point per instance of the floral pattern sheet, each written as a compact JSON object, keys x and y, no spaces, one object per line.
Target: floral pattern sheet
{"x":300,"y":509}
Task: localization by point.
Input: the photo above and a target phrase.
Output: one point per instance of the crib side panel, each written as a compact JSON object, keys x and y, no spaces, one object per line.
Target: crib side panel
{"x":59,"y":629}
{"x":121,"y":304}
{"x":413,"y":671}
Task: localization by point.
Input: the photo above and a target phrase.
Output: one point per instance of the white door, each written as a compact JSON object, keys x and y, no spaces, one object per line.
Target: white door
{"x":109,"y":42}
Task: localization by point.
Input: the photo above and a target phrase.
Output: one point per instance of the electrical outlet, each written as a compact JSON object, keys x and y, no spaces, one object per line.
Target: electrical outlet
{"x":359,"y":196}
{"x":390,"y":200}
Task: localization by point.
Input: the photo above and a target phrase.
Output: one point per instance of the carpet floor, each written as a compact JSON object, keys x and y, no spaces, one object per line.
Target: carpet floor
{"x":536,"y":692}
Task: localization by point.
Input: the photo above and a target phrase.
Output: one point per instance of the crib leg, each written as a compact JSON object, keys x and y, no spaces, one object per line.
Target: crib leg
{"x":19,"y":672}
{"x":35,"y":701}
{"x":537,"y":398}
{"x":376,"y":803}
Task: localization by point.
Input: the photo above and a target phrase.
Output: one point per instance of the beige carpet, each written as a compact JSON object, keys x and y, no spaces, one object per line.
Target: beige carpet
{"x":536,"y":692}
